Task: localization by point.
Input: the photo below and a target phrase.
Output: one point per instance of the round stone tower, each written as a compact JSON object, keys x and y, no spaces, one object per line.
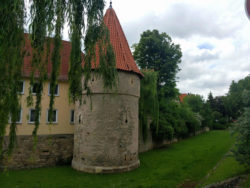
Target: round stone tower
{"x":106,"y":128}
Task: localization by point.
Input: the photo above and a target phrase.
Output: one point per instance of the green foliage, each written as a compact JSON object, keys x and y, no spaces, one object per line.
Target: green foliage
{"x":148,"y":103}
{"x":220,"y":121}
{"x":11,"y":52}
{"x":56,"y":57}
{"x":157,"y":51}
{"x":202,"y":109}
{"x":235,"y":96}
{"x":195,"y":102}
{"x":176,"y":120}
{"x":47,"y":18}
{"x":42,"y":14}
{"x":107,"y":69}
{"x":219,"y":111}
{"x":242,"y":130}
{"x":164,"y":132}
{"x":191,"y":119}
{"x":208,"y":118}
{"x":96,"y":34}
{"x":246,"y":184}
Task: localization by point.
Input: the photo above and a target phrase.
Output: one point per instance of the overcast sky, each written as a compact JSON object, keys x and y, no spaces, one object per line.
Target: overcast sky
{"x":214,"y":36}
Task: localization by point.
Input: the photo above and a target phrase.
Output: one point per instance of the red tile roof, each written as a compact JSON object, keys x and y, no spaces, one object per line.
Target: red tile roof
{"x":65,"y":58}
{"x":182,"y":96}
{"x":124,"y":58}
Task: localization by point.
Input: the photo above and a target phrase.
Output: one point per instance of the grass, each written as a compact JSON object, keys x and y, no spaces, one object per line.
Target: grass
{"x":186,"y":161}
{"x":226,"y":169}
{"x":246,"y":184}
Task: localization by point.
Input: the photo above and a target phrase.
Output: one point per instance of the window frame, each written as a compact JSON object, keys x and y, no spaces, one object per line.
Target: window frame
{"x":72,"y":122}
{"x":20,"y":117}
{"x":32,"y":122}
{"x":22,"y":92}
{"x":32,"y":87}
{"x":55,"y":93}
{"x":47,"y":118}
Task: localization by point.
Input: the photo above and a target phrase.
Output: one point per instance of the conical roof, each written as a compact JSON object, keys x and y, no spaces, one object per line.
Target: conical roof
{"x":124,"y":58}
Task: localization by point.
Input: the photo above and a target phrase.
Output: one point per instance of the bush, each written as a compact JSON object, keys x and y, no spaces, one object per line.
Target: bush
{"x":165,"y":131}
{"x":191,"y":119}
{"x":220,"y":126}
{"x":242,"y":131}
{"x":207,"y":116}
{"x":181,"y":130}
{"x":176,"y":120}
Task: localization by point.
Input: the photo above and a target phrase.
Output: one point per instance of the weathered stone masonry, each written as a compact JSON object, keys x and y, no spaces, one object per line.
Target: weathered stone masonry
{"x":106,"y":130}
{"x":51,"y":150}
{"x":106,"y":134}
{"x":55,"y":150}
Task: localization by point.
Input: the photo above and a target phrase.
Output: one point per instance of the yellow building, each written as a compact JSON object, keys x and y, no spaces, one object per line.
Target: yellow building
{"x":55,"y":141}
{"x":63,"y":115}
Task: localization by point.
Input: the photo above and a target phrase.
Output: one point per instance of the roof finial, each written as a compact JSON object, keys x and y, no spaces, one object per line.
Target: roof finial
{"x":110,"y":6}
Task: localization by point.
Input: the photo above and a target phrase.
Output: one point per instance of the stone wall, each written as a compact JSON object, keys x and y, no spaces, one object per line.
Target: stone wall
{"x":149,"y":144}
{"x":51,"y":150}
{"x":55,"y":150}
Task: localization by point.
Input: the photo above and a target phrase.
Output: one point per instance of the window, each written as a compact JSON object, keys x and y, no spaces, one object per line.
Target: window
{"x":36,"y":87}
{"x":56,"y":90}
{"x":72,"y":116}
{"x":32,"y":116}
{"x":19,"y":119}
{"x":20,"y":87}
{"x":53,"y":118}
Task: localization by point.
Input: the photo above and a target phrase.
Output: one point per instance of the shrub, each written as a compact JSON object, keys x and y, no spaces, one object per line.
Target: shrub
{"x":191,"y":119}
{"x":165,"y":131}
{"x":181,"y":130}
{"x":176,"y":120}
{"x":242,"y":146}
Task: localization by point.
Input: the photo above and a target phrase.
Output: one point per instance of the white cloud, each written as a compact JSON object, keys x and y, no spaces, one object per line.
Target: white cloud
{"x":223,"y":24}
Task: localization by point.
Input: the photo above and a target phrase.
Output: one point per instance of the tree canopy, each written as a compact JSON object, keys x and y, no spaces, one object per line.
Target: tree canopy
{"x":159,"y":59}
{"x":195,"y":102}
{"x":235,"y":96}
{"x":157,"y":51}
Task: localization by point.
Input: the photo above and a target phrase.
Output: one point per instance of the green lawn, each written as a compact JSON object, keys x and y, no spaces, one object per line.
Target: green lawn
{"x":226,"y":169}
{"x":186,"y":161}
{"x":246,"y":184}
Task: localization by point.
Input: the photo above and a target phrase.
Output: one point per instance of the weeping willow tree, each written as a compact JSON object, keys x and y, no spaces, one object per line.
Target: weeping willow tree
{"x":148,"y":103}
{"x":46,"y":22}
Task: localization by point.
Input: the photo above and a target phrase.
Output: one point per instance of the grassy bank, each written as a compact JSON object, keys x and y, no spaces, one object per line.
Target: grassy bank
{"x":226,"y":169}
{"x":185,"y":162}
